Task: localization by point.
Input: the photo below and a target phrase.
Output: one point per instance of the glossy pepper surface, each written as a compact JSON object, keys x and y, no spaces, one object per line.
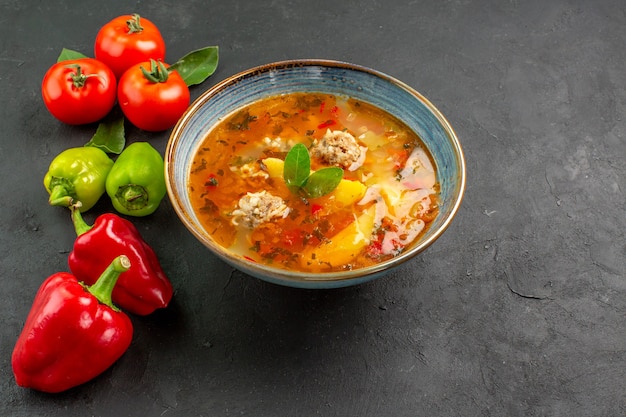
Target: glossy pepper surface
{"x":136,"y":183}
{"x":72,"y":333}
{"x":144,"y":287}
{"x":78,"y":174}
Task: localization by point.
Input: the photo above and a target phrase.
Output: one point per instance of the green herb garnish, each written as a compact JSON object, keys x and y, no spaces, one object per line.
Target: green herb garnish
{"x":241,"y":121}
{"x":299,"y":178}
{"x":297,"y":166}
{"x":322,"y":182}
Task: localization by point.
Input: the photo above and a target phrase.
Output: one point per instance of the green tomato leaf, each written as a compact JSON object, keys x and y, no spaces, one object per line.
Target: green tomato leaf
{"x":197,"y":66}
{"x":67,"y":54}
{"x":322,"y":182}
{"x":297,"y":166}
{"x":109,"y":136}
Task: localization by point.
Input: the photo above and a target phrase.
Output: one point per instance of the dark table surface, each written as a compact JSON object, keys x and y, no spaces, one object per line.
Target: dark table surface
{"x":519,"y":309}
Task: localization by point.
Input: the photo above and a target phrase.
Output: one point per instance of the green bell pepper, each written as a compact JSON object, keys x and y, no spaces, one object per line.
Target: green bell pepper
{"x":77,"y":174}
{"x":136,"y":183}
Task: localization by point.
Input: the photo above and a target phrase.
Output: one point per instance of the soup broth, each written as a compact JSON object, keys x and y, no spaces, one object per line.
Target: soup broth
{"x":384,"y":201}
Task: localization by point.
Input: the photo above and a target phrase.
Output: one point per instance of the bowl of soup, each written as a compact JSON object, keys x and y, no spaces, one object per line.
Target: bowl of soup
{"x":314,"y":173}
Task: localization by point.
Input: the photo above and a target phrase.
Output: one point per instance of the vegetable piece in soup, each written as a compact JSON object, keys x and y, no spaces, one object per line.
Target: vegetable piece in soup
{"x":384,"y":198}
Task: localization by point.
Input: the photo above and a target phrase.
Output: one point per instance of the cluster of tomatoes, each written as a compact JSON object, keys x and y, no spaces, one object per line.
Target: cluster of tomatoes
{"x":128,"y":68}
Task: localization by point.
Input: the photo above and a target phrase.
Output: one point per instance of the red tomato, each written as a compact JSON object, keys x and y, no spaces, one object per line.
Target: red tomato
{"x":79,"y":91}
{"x":128,"y":40}
{"x":316,"y":208}
{"x":151,"y":97}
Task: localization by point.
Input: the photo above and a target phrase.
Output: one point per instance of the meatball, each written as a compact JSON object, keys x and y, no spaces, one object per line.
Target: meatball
{"x":255,"y":209}
{"x":339,"y":148}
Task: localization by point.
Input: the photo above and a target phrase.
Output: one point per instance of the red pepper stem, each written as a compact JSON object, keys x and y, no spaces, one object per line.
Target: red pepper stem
{"x":103,"y":287}
{"x":77,"y":219}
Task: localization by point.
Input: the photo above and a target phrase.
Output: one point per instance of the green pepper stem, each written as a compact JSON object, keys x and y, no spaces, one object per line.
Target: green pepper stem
{"x":132,"y":196}
{"x":60,"y":196}
{"x":103,"y":287}
{"x":77,"y":219}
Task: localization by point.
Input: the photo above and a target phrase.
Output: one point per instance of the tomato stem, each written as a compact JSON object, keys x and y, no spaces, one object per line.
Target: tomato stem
{"x":158,"y":72}
{"x":78,"y":78}
{"x":134,"y":24}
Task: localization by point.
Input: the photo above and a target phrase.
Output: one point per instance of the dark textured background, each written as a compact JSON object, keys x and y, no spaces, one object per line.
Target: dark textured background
{"x":518,"y":310}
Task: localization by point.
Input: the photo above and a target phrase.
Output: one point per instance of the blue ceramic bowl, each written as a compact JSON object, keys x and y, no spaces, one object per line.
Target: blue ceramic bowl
{"x":332,"y":77}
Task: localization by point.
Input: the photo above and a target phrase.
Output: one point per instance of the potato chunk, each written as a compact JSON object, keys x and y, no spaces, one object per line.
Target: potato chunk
{"x":274,"y":167}
{"x":349,"y":192}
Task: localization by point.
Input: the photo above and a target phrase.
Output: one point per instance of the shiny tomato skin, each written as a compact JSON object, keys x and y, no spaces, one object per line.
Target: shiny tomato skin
{"x":150,"y":106}
{"x":77,"y":105}
{"x":121,"y":49}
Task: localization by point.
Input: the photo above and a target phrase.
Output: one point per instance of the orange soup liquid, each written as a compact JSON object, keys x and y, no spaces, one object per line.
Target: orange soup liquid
{"x":230,"y":164}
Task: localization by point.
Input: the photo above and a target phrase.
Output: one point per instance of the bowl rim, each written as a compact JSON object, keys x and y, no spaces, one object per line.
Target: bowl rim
{"x":297,"y":278}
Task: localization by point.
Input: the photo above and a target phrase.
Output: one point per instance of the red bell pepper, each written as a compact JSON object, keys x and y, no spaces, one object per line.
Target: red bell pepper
{"x":142,"y":289}
{"x":72,"y":333}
